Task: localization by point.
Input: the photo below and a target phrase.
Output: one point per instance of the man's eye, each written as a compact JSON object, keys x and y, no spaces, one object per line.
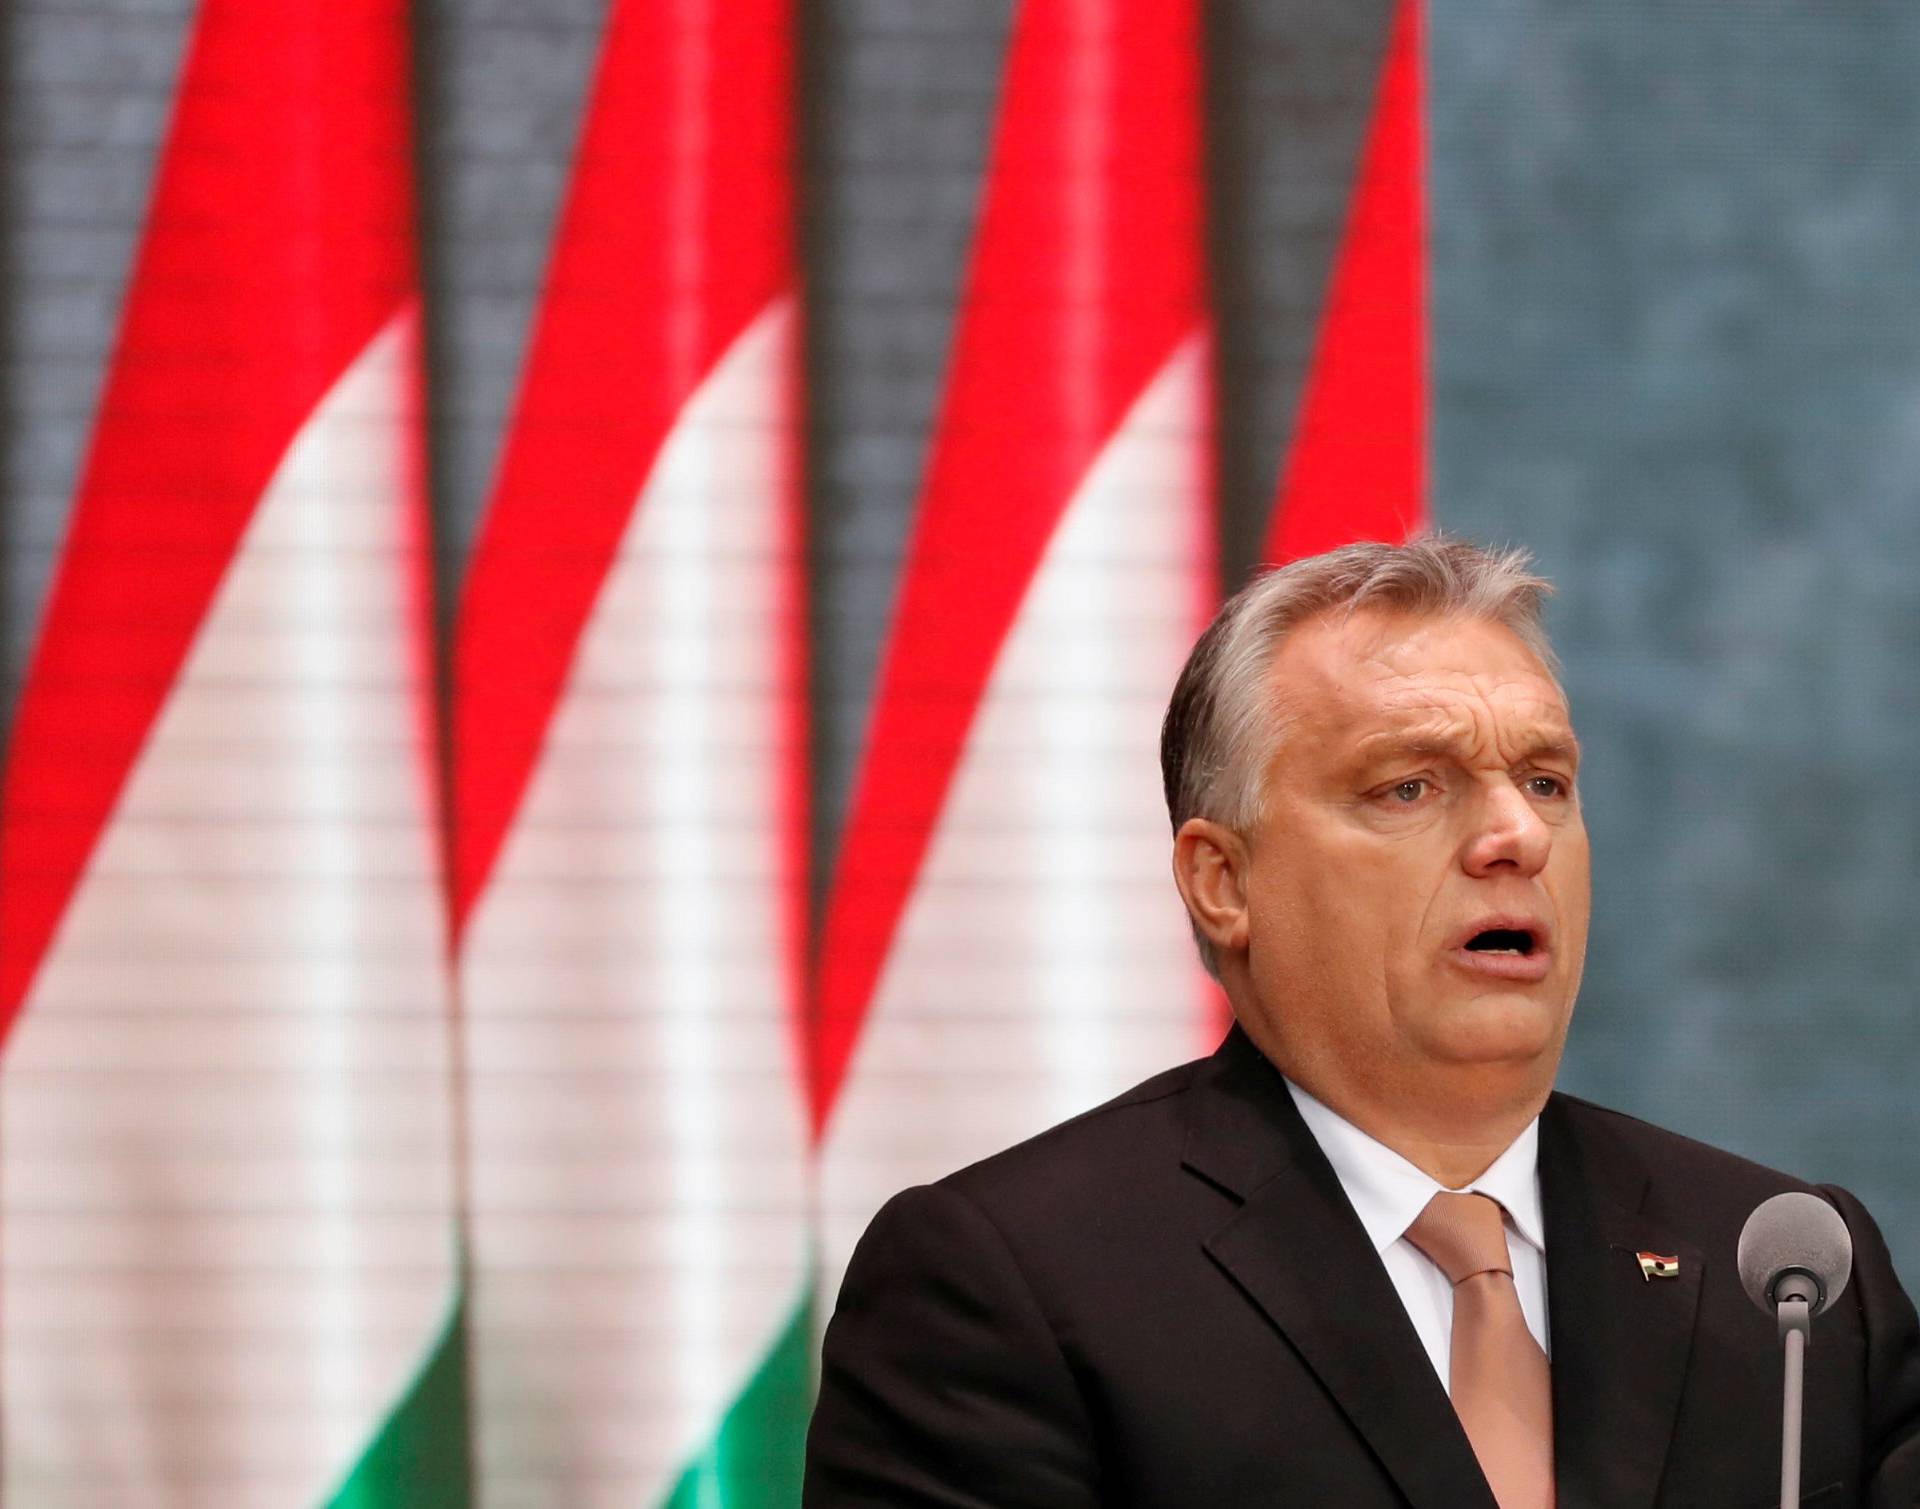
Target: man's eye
{"x":1409,"y":791}
{"x":1546,"y":785}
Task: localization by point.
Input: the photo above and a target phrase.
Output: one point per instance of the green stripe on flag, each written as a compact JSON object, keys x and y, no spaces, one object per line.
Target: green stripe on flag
{"x":420,"y":1458}
{"x":755,"y":1459}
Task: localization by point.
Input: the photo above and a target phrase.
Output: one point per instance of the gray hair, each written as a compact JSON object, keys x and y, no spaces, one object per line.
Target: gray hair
{"x":1221,"y":719}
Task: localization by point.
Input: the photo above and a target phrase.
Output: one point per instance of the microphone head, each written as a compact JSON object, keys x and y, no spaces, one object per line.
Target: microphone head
{"x":1795,"y":1233}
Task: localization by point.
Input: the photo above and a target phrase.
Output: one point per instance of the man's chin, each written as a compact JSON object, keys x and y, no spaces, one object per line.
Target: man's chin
{"x":1512,"y":1027}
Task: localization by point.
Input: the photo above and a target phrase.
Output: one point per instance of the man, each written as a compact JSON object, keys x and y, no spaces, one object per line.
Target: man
{"x":1363,"y":1255}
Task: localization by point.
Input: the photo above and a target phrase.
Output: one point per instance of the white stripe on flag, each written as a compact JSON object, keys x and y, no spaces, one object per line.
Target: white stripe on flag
{"x":1043,"y":962}
{"x":226,"y":1213}
{"x":639,"y":1127}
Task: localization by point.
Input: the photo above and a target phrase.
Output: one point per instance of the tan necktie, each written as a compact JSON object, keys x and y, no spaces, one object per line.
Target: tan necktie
{"x":1501,"y":1387}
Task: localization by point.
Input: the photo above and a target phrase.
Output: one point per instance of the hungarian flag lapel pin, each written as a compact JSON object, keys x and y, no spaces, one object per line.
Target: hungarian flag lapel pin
{"x":1653,"y":1266}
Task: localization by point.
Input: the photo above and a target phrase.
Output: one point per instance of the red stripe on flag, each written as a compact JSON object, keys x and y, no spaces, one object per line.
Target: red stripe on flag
{"x":1357,"y":466}
{"x":1086,"y":275}
{"x":278,"y":243}
{"x":676,"y":234}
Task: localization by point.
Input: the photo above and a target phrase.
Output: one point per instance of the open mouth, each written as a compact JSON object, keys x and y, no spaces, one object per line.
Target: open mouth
{"x":1502,"y":940}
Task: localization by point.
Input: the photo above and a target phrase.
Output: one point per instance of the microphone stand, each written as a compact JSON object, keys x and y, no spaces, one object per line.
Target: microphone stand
{"x":1795,"y":1294}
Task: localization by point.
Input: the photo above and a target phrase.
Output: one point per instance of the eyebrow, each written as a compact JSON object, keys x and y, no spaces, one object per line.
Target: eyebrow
{"x":1381,"y":749}
{"x":1566,"y":750}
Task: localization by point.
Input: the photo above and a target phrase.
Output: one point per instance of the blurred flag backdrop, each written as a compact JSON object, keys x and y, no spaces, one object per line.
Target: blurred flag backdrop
{"x":226,"y":1088}
{"x":629,"y":739}
{"x":587,"y":594}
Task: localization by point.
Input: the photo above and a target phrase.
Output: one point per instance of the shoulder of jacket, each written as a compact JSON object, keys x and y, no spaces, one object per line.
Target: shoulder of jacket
{"x":1660,"y":1149}
{"x":1112,"y":1132}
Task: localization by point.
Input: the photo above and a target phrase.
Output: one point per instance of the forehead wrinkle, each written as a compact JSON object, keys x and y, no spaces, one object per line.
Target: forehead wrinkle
{"x":1525,"y":690}
{"x":1325,"y":689}
{"x":1459,"y":727}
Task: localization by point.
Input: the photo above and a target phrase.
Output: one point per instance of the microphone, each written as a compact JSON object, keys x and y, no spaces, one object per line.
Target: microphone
{"x":1795,"y":1258}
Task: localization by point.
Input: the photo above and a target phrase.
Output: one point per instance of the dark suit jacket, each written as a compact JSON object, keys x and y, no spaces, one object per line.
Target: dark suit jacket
{"x":1169,"y":1301}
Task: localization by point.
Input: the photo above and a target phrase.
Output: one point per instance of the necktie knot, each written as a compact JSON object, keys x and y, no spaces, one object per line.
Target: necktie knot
{"x":1464,"y":1234}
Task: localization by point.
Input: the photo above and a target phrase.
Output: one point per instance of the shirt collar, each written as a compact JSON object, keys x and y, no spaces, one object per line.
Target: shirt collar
{"x":1387,"y":1192}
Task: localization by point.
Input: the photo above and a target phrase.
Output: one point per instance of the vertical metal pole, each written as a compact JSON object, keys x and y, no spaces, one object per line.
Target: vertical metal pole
{"x":1793,"y":1334}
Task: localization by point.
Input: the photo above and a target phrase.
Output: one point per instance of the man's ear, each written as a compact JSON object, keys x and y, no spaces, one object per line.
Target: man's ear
{"x":1209,"y":866}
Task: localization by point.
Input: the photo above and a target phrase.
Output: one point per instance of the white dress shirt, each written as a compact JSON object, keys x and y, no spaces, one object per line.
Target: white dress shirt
{"x":1388,"y":1193}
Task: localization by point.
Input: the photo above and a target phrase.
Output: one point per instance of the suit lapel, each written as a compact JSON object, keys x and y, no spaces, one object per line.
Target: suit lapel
{"x":1297,"y":1250}
{"x":1621,"y":1339}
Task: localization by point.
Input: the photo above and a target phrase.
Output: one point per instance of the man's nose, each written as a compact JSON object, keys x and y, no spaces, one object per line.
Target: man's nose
{"x":1509,"y":833}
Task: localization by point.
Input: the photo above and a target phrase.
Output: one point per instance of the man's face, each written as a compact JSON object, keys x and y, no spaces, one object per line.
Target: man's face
{"x":1416,"y":888}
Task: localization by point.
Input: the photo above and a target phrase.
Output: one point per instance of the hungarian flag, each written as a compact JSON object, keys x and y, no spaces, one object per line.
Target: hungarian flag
{"x":1004,"y":945}
{"x":629,"y":796}
{"x":227,"y":1251}
{"x":1357,"y":465}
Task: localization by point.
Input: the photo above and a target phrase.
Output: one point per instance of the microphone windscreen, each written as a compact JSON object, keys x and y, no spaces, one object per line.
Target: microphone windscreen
{"x":1795,"y":1231}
